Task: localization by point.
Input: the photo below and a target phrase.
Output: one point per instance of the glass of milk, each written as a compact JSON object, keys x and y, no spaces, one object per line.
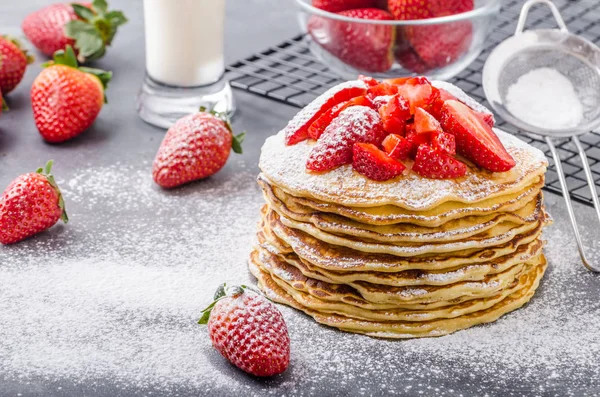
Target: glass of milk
{"x":184,"y":60}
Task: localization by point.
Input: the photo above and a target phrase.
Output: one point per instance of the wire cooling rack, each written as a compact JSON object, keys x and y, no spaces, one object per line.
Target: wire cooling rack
{"x":289,"y":73}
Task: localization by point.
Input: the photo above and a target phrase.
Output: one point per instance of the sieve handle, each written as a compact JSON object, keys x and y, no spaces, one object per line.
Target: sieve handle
{"x":567,"y":197}
{"x":525,"y":13}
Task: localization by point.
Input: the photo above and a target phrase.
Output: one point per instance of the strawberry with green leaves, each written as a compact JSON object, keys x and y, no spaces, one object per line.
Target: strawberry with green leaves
{"x":31,"y":204}
{"x":195,"y":147}
{"x":89,"y":28}
{"x":13,"y":62}
{"x":248,"y":330}
{"x":66,"y":98}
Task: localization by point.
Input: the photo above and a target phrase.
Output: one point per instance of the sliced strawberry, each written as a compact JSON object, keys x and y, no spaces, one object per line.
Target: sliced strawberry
{"x":316,"y":129}
{"x":425,"y":122}
{"x":364,"y":46}
{"x":475,"y":139}
{"x":397,"y":147}
{"x":375,"y":164}
{"x":397,"y":80}
{"x":334,"y":148}
{"x":342,"y":5}
{"x":435,"y":164}
{"x":379,"y":101}
{"x":297,"y":129}
{"x":436,"y":109}
{"x":394,"y":114}
{"x":381,"y":89}
{"x":415,"y":140}
{"x":419,"y":92}
{"x":444,"y":141}
{"x":370,"y":81}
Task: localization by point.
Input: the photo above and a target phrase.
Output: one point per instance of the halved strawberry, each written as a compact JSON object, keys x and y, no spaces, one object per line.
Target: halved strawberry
{"x":397,"y":146}
{"x":441,"y":44}
{"x":425,"y":122}
{"x":435,"y":164}
{"x":419,"y":92}
{"x":334,"y":148}
{"x":375,"y":164}
{"x":364,"y":46}
{"x":297,"y":129}
{"x":436,"y":109}
{"x":475,"y":139}
{"x":316,"y":129}
{"x":444,"y":141}
{"x":381,"y":89}
{"x":394,"y":114}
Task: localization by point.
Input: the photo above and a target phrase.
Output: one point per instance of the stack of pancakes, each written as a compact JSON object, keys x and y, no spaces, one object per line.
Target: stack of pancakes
{"x":411,"y":257}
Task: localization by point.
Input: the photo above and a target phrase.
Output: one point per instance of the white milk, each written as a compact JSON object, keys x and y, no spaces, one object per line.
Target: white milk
{"x":184,"y":41}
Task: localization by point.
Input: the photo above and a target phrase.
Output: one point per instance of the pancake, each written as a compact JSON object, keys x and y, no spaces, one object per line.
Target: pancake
{"x":475,"y":272}
{"x":364,"y":293}
{"x":458,"y":229}
{"x":389,"y":214}
{"x":412,"y":329}
{"x":501,"y":234}
{"x":285,"y":167}
{"x":338,"y":258}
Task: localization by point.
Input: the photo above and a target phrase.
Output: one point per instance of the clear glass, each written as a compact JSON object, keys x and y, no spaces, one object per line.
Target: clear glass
{"x":184,"y":60}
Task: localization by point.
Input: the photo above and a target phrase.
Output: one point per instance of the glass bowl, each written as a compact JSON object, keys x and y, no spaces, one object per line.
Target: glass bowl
{"x":438,"y":48}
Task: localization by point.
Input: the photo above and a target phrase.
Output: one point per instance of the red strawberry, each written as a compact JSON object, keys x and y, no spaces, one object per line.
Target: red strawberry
{"x":397,"y":146}
{"x":364,"y":46}
{"x":316,"y":129}
{"x":248,"y":330}
{"x":343,"y":5}
{"x":415,"y":140}
{"x":13,"y":61}
{"x":195,"y":147}
{"x":442,"y":44}
{"x":66,"y":99}
{"x":450,"y":7}
{"x":425,"y":122}
{"x":419,"y":92}
{"x":409,"y":9}
{"x":445,"y":142}
{"x":334,"y":148}
{"x":435,"y":164}
{"x":475,"y":139}
{"x":375,"y":164}
{"x":370,"y":81}
{"x":297,"y":129}
{"x":89,"y":28}
{"x":436,"y":110}
{"x":31,"y":204}
{"x":381,"y":89}
{"x":394,"y":114}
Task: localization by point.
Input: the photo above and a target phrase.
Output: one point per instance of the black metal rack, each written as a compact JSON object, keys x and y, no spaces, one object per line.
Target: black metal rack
{"x":289,"y":73}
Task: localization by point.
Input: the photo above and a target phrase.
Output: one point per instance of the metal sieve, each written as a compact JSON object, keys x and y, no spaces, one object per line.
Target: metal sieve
{"x":577,"y":59}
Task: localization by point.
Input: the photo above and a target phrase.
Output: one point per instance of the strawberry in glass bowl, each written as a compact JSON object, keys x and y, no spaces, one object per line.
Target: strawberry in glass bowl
{"x":388,"y":38}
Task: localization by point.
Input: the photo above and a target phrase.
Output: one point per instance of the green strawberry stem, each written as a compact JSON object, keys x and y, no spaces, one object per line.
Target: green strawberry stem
{"x":3,"y":104}
{"x":94,"y":30}
{"x":224,"y":291}
{"x":47,"y":172}
{"x":68,"y":58}
{"x":236,"y":143}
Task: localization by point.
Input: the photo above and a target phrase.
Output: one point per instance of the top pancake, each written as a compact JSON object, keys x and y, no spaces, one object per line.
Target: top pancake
{"x":285,"y":167}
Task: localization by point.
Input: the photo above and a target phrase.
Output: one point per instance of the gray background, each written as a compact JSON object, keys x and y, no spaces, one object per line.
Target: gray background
{"x":119,"y":136}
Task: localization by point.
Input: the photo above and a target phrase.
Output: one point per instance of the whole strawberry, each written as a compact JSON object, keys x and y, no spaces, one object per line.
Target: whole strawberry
{"x":248,"y":330}
{"x":13,"y":62}
{"x":89,"y":28}
{"x":66,"y":98}
{"x":31,"y":204}
{"x":195,"y":147}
